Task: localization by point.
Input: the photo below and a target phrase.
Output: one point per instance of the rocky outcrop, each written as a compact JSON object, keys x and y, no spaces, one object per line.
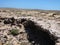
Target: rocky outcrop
{"x":29,"y":32}
{"x":34,"y":28}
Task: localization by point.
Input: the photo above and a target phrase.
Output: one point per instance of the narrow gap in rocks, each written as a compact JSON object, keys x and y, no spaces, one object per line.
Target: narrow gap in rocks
{"x":38,"y":35}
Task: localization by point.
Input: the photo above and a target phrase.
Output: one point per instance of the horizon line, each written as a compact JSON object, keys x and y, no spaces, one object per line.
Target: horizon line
{"x":31,"y":8}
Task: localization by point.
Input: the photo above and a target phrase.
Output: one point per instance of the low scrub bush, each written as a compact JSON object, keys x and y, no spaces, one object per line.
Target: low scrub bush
{"x":14,"y":32}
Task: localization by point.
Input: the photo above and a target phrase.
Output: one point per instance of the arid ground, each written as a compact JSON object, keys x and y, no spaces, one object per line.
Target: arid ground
{"x":29,"y":27}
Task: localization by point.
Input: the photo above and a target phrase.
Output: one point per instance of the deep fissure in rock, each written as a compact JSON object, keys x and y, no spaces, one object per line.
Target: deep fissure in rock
{"x":38,"y":35}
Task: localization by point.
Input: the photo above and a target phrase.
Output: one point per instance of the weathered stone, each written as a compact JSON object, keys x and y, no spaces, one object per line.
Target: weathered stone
{"x":1,"y":43}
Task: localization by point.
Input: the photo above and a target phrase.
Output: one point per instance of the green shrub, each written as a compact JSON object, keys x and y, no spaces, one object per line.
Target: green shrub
{"x":14,"y":32}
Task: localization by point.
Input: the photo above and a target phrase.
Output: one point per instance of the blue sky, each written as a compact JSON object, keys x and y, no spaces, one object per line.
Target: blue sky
{"x":31,"y":4}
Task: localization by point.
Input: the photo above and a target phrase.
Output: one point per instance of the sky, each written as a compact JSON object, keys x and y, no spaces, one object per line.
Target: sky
{"x":31,"y":4}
